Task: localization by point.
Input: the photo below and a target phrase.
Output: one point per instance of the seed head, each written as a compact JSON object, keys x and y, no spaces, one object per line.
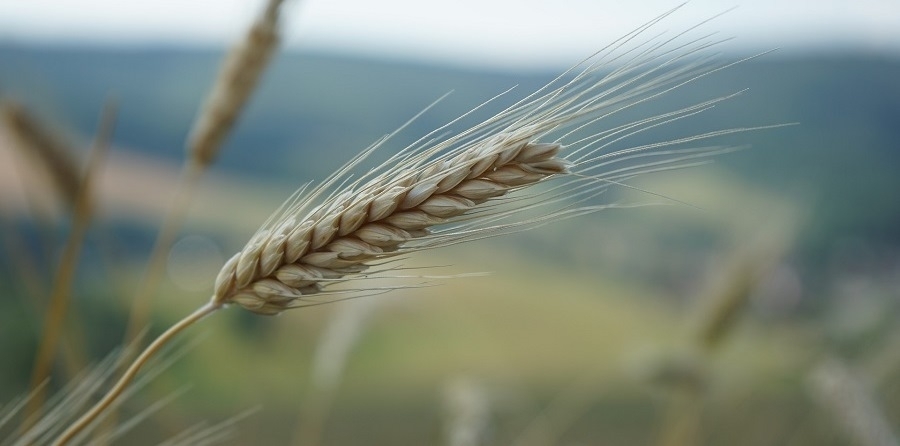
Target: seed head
{"x":481,"y":181}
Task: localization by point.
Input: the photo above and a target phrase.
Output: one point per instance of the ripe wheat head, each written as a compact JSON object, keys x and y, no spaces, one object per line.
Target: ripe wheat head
{"x":478,"y":182}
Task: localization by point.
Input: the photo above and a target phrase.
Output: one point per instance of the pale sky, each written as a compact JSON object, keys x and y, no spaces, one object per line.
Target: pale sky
{"x":482,"y":32}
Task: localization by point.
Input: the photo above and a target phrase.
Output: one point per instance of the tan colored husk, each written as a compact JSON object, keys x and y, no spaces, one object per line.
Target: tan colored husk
{"x":236,"y":81}
{"x":64,"y":276}
{"x":278,"y":268}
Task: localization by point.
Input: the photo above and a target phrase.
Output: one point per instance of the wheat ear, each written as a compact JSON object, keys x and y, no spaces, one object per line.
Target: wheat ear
{"x":466,"y":187}
{"x":60,"y":295}
{"x":56,"y":155}
{"x":476,"y":183}
{"x":235,"y":84}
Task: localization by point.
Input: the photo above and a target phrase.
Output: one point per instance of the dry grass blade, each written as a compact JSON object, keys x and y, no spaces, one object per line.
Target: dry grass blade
{"x":67,"y":403}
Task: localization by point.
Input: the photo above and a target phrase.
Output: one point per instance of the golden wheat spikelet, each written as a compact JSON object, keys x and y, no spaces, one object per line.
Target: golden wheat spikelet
{"x":476,"y":183}
{"x":236,"y":82}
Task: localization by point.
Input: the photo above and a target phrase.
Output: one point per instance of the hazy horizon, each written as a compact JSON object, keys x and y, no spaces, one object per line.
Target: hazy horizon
{"x":494,"y":33}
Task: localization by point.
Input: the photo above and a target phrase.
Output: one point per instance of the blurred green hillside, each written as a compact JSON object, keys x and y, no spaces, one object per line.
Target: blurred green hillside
{"x":574,"y":318}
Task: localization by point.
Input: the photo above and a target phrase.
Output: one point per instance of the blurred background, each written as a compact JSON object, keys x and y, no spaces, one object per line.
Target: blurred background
{"x":765,"y":313}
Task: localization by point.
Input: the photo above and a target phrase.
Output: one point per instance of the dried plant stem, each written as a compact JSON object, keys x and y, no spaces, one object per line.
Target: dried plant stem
{"x":236,"y":81}
{"x":56,"y":156}
{"x":55,"y":315}
{"x":132,"y":372}
{"x":35,"y":293}
{"x":142,"y":302}
{"x":232,"y":89}
{"x":46,"y":148}
{"x":38,"y":145}
{"x":717,"y":317}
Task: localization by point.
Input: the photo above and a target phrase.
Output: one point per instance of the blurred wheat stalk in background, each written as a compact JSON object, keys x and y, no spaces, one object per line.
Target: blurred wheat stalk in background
{"x":477,"y":183}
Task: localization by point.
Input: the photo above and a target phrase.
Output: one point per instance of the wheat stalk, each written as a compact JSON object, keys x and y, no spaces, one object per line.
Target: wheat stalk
{"x":380,"y":220}
{"x":235,"y":84}
{"x":476,"y":183}
{"x":232,"y":89}
{"x":56,"y":156}
{"x":60,"y":294}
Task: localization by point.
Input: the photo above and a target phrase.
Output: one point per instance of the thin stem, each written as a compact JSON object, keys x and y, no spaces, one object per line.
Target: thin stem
{"x":57,"y":306}
{"x":132,"y":371}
